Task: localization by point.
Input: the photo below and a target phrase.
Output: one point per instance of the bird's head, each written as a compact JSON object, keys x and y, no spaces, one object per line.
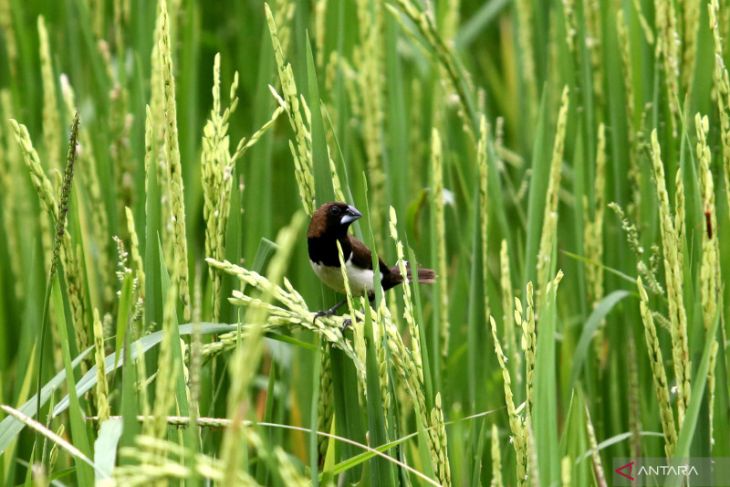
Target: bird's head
{"x":332,"y":218}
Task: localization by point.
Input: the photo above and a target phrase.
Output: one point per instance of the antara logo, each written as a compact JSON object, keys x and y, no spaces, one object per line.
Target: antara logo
{"x":625,"y":470}
{"x":666,"y":470}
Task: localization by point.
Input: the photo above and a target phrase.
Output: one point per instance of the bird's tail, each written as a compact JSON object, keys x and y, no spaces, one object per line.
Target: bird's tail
{"x":425,"y":276}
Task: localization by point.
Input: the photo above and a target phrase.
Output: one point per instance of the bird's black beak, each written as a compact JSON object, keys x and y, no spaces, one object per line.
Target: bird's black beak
{"x":350,"y":215}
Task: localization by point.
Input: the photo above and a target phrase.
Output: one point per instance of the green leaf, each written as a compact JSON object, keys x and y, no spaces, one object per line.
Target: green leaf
{"x":11,"y":427}
{"x":589,"y":329}
{"x":545,"y":415}
{"x":687,"y":430}
{"x":105,"y":446}
{"x":143,"y":344}
{"x":381,"y":471}
{"x":79,"y":434}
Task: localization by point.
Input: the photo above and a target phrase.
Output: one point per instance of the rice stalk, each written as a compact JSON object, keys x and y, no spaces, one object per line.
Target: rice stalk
{"x":690,"y":27}
{"x":283,"y":15}
{"x":320,"y":22}
{"x":296,"y":110}
{"x":437,"y":195}
{"x":533,"y":475}
{"x":325,"y":406}
{"x":457,"y":76}
{"x":61,"y":244}
{"x":217,"y":167}
{"x":10,"y":194}
{"x":41,"y":184}
{"x":679,"y":214}
{"x":166,"y":371}
{"x":195,"y":356}
{"x":57,"y":210}
{"x":529,"y":342}
{"x":566,"y":466}
{"x":598,"y":471}
{"x":121,"y":17}
{"x":661,"y":387}
{"x":406,"y":371}
{"x":634,"y":172}
{"x":414,"y":330}
{"x":593,"y":228}
{"x":508,"y":315}
{"x":721,"y":86}
{"x":358,"y":338}
{"x":55,"y":449}
{"x":369,"y":58}
{"x":711,"y":392}
{"x":516,"y":423}
{"x":52,"y":138}
{"x":496,"y":459}
{"x":246,"y":143}
{"x":143,"y":401}
{"x":245,"y":360}
{"x":336,"y":184}
{"x":710,"y":278}
{"x":172,"y":153}
{"x":288,"y":471}
{"x":137,"y":262}
{"x":634,"y":400}
{"x":668,"y":48}
{"x":102,"y":389}
{"x":155,"y":144}
{"x":437,"y":432}
{"x":643,"y":22}
{"x":7,"y":25}
{"x":157,"y":460}
{"x":594,"y":45}
{"x":120,"y":129}
{"x":648,"y":272}
{"x":450,"y":24}
{"x":571,"y":24}
{"x":381,"y":356}
{"x":71,"y":449}
{"x":550,"y":218}
{"x":673,"y":273}
{"x":96,"y":207}
{"x":293,"y":311}
{"x":524,"y":20}
{"x":483,"y":164}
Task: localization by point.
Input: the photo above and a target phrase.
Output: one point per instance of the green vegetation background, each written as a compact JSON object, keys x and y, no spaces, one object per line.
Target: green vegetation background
{"x":498,"y":131}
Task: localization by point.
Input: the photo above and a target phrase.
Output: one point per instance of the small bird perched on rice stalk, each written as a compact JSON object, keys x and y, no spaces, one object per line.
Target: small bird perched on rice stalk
{"x":329,"y":225}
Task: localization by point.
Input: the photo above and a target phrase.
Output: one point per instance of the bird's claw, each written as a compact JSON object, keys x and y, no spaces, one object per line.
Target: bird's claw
{"x":320,"y":314}
{"x":327,"y":312}
{"x":346,"y":323}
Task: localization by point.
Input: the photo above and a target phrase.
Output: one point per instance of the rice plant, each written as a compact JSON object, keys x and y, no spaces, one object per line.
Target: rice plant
{"x":159,"y":162}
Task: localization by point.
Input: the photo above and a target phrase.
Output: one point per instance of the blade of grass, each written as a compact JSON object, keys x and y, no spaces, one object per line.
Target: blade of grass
{"x":544,"y":417}
{"x":79,"y":434}
{"x":599,"y":313}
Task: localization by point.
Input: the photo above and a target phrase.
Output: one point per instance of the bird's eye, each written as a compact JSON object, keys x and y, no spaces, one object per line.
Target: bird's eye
{"x":335,"y":210}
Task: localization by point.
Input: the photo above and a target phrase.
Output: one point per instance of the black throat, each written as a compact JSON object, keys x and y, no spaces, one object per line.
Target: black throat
{"x":323,"y":249}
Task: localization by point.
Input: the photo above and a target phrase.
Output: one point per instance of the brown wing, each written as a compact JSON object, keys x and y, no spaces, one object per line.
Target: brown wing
{"x":363,"y":258}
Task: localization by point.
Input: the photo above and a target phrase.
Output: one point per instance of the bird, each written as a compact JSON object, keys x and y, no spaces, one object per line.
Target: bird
{"x":329,"y":225}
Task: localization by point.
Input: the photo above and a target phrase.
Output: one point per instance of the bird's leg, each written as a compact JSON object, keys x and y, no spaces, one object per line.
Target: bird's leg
{"x":328,"y":311}
{"x":348,"y":321}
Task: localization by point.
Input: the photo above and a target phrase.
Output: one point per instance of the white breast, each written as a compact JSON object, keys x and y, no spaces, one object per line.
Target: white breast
{"x":361,"y":280}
